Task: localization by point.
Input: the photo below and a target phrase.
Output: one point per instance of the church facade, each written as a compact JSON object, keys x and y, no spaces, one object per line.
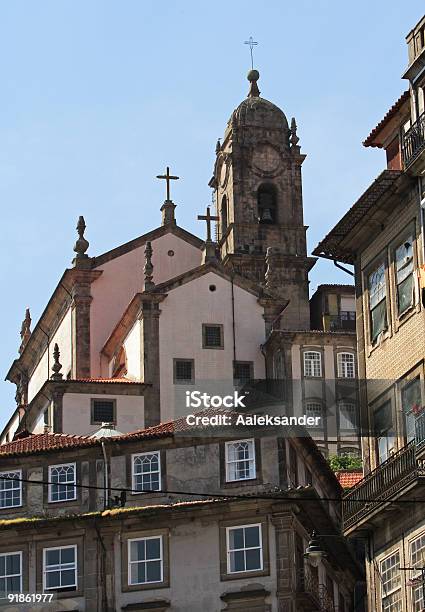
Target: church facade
{"x":115,"y":501}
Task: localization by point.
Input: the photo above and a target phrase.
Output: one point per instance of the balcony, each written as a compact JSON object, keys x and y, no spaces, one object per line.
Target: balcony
{"x":344,"y":321}
{"x":391,"y":477}
{"x":312,"y":595}
{"x":413,"y":142}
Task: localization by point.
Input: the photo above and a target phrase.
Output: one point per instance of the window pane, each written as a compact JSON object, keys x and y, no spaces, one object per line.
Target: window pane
{"x":68,"y":577}
{"x":212,"y":336}
{"x":67,"y":555}
{"x":138,"y":573}
{"x":253,"y":559}
{"x":405,"y":294}
{"x":377,"y":288}
{"x":153,"y":571}
{"x":379,"y":319}
{"x":53,"y":557}
{"x":103,"y":411}
{"x":236,"y":538}
{"x":252,"y":537}
{"x":183,"y":370}
{"x":153,"y":548}
{"x":13,"y":564}
{"x":52,"y":579}
{"x":237,"y":561}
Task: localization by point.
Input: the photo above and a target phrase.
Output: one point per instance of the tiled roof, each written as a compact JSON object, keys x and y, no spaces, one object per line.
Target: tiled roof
{"x":349,"y":478}
{"x":369,"y":142}
{"x":121,"y":379}
{"x":34,"y":443}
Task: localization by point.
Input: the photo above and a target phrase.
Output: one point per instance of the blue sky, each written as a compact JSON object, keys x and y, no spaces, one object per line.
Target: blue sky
{"x":98,"y":97}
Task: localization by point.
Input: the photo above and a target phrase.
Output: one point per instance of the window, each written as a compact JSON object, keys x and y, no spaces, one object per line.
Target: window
{"x":315,"y":409}
{"x":411,"y":402}
{"x":212,"y":336}
{"x":384,"y":432}
{"x":224,"y":220}
{"x":10,"y":573}
{"x":240,"y":460}
{"x":10,"y":489}
{"x":62,"y":479}
{"x":103,"y":411}
{"x":60,"y":567}
{"x":417,"y":560}
{"x":377,"y":302}
{"x":346,"y":365}
{"x":404,"y":275}
{"x":347,"y":415}
{"x":145,"y":560}
{"x":312,"y":364}
{"x":244,"y":549}
{"x":279,"y":365}
{"x":242,"y":372}
{"x":184,"y":371}
{"x":146,"y":472}
{"x":391,"y":584}
{"x":266,"y":202}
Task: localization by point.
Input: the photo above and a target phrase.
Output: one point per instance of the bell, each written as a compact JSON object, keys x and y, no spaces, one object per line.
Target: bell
{"x":266,"y":216}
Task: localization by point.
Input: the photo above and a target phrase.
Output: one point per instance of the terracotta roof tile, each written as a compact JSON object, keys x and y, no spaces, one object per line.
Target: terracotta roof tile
{"x":121,"y":379}
{"x":390,"y":113}
{"x":349,"y":478}
{"x":44,"y":442}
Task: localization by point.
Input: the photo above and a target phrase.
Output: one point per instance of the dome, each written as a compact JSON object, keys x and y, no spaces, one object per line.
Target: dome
{"x":256,"y":111}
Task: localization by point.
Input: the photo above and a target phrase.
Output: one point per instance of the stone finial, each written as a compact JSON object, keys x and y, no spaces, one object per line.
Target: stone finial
{"x":148,"y":269}
{"x":57,"y":366}
{"x":218,"y":147}
{"x":25,"y":331}
{"x":253,"y":76}
{"x":294,"y":138}
{"x":82,"y":244}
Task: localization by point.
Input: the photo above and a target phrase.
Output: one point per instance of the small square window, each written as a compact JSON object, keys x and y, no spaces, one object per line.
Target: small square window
{"x":212,"y":336}
{"x":244,"y":549}
{"x":184,"y":371}
{"x":243,"y":372}
{"x":60,"y":567}
{"x":145,"y":561}
{"x":103,"y":411}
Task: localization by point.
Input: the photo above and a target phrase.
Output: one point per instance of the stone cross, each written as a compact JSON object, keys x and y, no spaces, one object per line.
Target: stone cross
{"x":208,"y":218}
{"x":168,"y":177}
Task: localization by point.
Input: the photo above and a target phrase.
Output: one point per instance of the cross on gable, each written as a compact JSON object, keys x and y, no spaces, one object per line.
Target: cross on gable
{"x":208,"y":218}
{"x":168,"y":177}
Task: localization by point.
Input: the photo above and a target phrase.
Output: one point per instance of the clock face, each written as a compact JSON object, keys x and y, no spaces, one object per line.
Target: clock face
{"x":266,"y":158}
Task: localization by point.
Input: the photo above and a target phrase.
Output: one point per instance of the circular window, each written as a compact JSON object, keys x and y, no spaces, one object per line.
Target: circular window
{"x":213,"y":287}
{"x":170,"y":253}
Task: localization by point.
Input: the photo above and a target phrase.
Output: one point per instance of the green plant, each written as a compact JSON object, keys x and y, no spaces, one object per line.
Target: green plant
{"x":338,"y":462}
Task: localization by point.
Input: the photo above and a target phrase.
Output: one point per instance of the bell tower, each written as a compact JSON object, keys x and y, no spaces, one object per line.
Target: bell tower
{"x":258,"y":195}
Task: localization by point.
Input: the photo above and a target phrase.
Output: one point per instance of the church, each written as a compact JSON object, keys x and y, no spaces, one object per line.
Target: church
{"x":116,"y":502}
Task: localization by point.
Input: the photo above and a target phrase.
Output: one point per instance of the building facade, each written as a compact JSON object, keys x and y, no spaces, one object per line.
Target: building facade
{"x":382,"y":236}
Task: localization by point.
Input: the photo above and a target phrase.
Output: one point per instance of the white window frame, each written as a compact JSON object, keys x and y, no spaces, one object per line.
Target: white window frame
{"x":130,"y":562}
{"x":376,"y":297}
{"x":312,"y":365}
{"x":8,"y":554}
{"x":417,"y":592}
{"x":402,"y":270}
{"x":346,"y":368}
{"x":135,"y":456}
{"x":69,"y":483}
{"x":345,"y":423}
{"x":60,"y":568}
{"x":19,"y":488}
{"x":388,"y":594}
{"x":316,"y":412}
{"x":228,"y":551}
{"x":251,"y":460}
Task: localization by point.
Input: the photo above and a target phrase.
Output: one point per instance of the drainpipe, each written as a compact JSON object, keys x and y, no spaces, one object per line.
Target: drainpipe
{"x":233,"y":320}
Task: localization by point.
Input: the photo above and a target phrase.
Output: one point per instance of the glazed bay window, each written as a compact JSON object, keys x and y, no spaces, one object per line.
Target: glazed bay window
{"x":62,"y":479}
{"x":411,"y":402}
{"x":240,"y":460}
{"x":391,"y":596}
{"x":404,"y":275}
{"x":145,"y":560}
{"x":417,"y":560}
{"x":146,"y":472}
{"x":60,"y":568}
{"x":346,"y":365}
{"x":377,"y":302}
{"x":244,"y":549}
{"x":10,"y":489}
{"x":10,"y":573}
{"x":312,"y":364}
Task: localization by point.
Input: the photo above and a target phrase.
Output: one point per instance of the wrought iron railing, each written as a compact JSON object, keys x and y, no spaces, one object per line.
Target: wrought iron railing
{"x":413,"y":141}
{"x":307,"y":583}
{"x":382,"y":483}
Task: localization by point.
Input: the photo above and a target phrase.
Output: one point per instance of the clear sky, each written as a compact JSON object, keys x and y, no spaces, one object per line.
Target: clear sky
{"x":97,"y":97}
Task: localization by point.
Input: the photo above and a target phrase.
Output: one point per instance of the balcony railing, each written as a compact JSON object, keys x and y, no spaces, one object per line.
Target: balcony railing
{"x":413,"y":141}
{"x":308,"y":584}
{"x":346,"y":321}
{"x":382,"y":483}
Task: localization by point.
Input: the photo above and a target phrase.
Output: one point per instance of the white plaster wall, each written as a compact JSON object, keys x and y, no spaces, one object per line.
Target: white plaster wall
{"x":76,"y":413}
{"x":195,"y":569}
{"x":132,"y":349}
{"x":182,"y":314}
{"x":122,"y":278}
{"x":11,"y":429}
{"x":43,"y":370}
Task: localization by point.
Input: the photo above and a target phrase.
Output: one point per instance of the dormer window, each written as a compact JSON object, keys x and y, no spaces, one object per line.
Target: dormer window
{"x":267,"y":204}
